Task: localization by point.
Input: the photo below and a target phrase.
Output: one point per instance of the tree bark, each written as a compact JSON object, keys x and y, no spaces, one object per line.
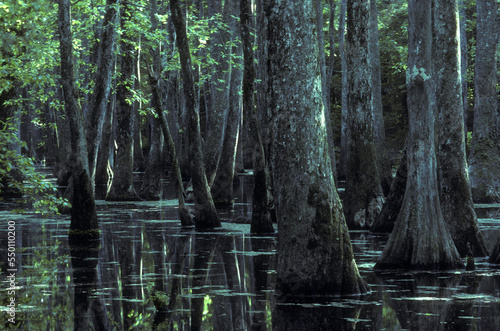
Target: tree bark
{"x":484,"y":165}
{"x":454,"y":188}
{"x":219,"y":85}
{"x":420,"y":239}
{"x":324,"y":85}
{"x":155,"y":82}
{"x":150,"y":189}
{"x":222,"y":187}
{"x":102,"y":89}
{"x":314,"y":248}
{"x":122,"y":186}
{"x":83,"y":211}
{"x":390,"y":210}
{"x":205,"y":212}
{"x":261,"y":214}
{"x":363,"y":193}
{"x":384,"y":163}
{"x":344,"y":135}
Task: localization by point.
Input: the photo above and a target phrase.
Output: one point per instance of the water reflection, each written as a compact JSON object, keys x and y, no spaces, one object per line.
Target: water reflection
{"x":89,"y":312}
{"x":146,"y":272}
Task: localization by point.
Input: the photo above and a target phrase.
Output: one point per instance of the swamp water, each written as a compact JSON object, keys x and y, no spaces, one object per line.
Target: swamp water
{"x":218,"y":280}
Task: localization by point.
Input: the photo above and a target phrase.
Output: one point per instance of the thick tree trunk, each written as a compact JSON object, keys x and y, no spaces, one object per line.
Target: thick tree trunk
{"x":102,"y":89}
{"x":484,"y":165}
{"x":122,"y":186}
{"x":463,"y":59}
{"x":83,"y":211}
{"x":454,"y":188}
{"x":363,"y":193}
{"x":261,"y":214}
{"x":384,"y":163}
{"x":314,"y":248}
{"x":205,"y":212}
{"x":222,"y":187}
{"x":420,"y":239}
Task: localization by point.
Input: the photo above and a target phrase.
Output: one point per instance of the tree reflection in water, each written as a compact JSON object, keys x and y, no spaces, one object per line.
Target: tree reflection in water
{"x":224,"y":279}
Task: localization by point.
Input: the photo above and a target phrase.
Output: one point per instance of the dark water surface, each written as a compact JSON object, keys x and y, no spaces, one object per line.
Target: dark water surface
{"x":218,"y":280}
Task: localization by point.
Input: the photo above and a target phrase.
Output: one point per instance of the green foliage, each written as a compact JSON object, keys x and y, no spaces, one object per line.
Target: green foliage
{"x":18,"y":174}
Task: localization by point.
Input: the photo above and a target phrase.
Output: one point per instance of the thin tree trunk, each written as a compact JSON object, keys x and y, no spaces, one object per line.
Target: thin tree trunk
{"x":363,"y":193}
{"x":384,"y":163}
{"x":102,"y":89}
{"x":484,"y":168}
{"x":261,"y":215}
{"x":150,"y":189}
{"x":205,"y":212}
{"x":420,"y":239}
{"x":83,"y":211}
{"x":222,"y":187}
{"x":219,"y":85}
{"x":314,"y":249}
{"x":122,"y":186}
{"x":184,"y":214}
{"x":344,"y":128}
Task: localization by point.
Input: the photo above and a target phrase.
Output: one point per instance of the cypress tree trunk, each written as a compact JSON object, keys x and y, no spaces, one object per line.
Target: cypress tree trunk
{"x":261,"y":214}
{"x":484,"y":165}
{"x":384,"y":163}
{"x":222,"y":187}
{"x":155,"y":82}
{"x":150,"y":189}
{"x":324,"y":85}
{"x":101,"y":92}
{"x":363,"y":193}
{"x":390,"y":210}
{"x":343,"y":59}
{"x":454,"y":189}
{"x":83,"y":211}
{"x":122,"y":186}
{"x":314,"y":248}
{"x":420,"y":239}
{"x":219,"y":85}
{"x":205,"y":212}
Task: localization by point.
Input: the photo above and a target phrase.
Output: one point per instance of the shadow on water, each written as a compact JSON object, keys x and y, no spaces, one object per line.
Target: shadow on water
{"x":147,"y":273}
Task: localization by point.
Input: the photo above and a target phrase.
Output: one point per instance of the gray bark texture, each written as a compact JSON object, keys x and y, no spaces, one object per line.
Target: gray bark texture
{"x":390,"y":210}
{"x":344,"y":129}
{"x":314,"y":249}
{"x":261,"y":213}
{"x":384,"y":163}
{"x":83,"y":211}
{"x":484,"y":160}
{"x":363,"y":193}
{"x":325,"y":86}
{"x":102,"y":89}
{"x":454,"y":188}
{"x":420,"y":239}
{"x":150,"y":189}
{"x":122,"y":186}
{"x":155,"y":81}
{"x":222,"y":187}
{"x":205,"y":213}
{"x":220,"y":78}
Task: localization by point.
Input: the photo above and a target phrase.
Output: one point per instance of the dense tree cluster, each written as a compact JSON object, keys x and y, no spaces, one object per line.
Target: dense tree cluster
{"x":201,"y":90}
